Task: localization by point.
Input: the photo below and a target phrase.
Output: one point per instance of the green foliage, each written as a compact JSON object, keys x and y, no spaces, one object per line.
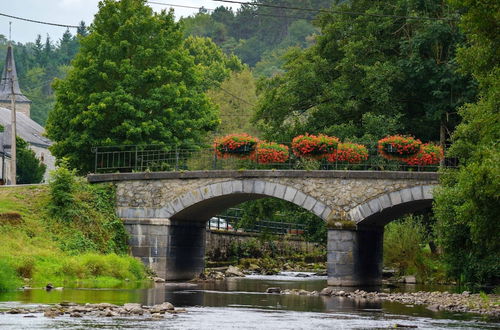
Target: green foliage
{"x":28,"y":168}
{"x":468,"y":203}
{"x":215,"y":65}
{"x":395,"y":68}
{"x":37,"y":65}
{"x":405,"y":249}
{"x":83,"y":215}
{"x":9,"y":279}
{"x":235,"y":98}
{"x":132,"y":82}
{"x":62,"y":189}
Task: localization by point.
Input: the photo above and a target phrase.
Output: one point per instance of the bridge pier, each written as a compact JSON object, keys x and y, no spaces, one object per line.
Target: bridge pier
{"x":174,"y":250}
{"x":355,"y":256}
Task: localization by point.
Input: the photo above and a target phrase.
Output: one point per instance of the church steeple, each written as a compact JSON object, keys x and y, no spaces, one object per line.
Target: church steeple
{"x":22,"y":102}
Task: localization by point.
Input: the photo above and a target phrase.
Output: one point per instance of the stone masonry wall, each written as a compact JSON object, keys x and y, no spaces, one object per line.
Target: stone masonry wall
{"x":325,"y":196}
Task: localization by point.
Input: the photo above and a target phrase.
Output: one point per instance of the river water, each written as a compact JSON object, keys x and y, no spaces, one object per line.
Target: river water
{"x":235,"y":303}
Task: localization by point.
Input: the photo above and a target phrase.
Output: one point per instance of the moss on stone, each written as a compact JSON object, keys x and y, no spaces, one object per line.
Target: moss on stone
{"x":341,"y":224}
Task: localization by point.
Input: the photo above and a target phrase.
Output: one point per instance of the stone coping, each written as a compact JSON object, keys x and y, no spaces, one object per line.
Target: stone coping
{"x":248,"y":174}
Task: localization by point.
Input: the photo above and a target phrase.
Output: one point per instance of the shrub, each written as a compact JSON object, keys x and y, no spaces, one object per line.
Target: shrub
{"x":238,"y":145}
{"x":398,"y":147}
{"x":351,"y":153}
{"x":28,"y":168}
{"x":402,"y":244}
{"x":429,"y":154}
{"x":314,"y":146}
{"x":62,"y":189}
{"x":271,"y":152}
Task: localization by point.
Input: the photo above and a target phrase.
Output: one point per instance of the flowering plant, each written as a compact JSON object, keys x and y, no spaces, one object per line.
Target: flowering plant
{"x":314,"y":146}
{"x":430,"y":154}
{"x":351,"y":153}
{"x":398,"y":147}
{"x":240,"y":145}
{"x":271,"y":152}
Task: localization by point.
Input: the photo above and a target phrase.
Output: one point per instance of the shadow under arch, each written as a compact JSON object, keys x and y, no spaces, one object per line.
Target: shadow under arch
{"x":203,"y":203}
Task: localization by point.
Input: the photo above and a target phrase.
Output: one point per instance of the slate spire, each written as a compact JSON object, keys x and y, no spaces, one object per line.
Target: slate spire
{"x":5,"y":84}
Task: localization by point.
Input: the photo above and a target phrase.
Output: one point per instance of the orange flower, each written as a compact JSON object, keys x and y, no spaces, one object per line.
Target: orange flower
{"x":314,"y":146}
{"x":271,"y":152}
{"x":398,"y":147}
{"x":239,"y":145}
{"x":349,"y":152}
{"x":430,"y":154}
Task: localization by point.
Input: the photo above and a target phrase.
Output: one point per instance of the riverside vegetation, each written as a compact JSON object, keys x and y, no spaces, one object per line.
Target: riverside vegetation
{"x":65,"y":234}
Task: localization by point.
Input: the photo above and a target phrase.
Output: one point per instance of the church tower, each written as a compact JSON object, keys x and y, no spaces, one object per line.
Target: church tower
{"x":23,"y":104}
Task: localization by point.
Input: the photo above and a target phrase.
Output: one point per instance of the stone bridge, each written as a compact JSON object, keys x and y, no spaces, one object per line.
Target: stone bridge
{"x":166,"y":212}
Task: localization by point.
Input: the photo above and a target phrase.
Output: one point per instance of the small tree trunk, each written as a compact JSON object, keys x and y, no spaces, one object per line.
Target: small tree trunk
{"x":442,"y":138}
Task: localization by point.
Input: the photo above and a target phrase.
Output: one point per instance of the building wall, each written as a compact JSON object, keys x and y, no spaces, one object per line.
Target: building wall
{"x":6,"y":171}
{"x":20,"y":107}
{"x":42,"y":154}
{"x":45,"y":157}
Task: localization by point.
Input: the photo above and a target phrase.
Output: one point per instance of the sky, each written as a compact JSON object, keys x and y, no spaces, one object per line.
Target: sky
{"x":70,"y":12}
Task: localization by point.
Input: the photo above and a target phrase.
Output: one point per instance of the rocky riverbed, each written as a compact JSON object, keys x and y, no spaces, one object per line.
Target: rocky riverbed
{"x":436,"y":301}
{"x":160,"y":311}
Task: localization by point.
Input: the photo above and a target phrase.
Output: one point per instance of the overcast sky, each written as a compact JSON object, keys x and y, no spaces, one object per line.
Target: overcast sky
{"x":69,"y":12}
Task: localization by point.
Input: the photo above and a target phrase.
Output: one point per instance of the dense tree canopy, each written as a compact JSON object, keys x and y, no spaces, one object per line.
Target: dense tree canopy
{"x":468,"y":203}
{"x":132,"y":82}
{"x":392,"y":67}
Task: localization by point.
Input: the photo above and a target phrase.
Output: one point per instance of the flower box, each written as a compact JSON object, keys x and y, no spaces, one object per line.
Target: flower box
{"x":237,"y":145}
{"x":398,"y":147}
{"x":312,"y":146}
{"x":271,"y":152}
{"x":429,"y":154}
{"x":351,"y":153}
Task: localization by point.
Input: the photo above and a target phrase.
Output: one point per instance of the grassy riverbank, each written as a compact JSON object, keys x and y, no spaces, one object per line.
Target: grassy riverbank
{"x":78,"y":242}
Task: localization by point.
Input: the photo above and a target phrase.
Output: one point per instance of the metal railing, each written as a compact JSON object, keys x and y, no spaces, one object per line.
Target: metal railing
{"x":155,"y":158}
{"x":227,"y":222}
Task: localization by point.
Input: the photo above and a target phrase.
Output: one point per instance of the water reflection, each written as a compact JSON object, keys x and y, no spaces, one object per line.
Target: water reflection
{"x":238,"y":296}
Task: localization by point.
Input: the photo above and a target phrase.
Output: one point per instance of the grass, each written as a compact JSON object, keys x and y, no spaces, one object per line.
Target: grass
{"x":41,"y":249}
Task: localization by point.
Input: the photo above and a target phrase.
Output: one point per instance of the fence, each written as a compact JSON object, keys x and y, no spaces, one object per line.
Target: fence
{"x":154,"y":158}
{"x":233,"y":223}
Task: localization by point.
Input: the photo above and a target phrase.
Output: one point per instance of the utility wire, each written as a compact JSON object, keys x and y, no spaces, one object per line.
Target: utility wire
{"x":180,"y":6}
{"x":40,"y":22}
{"x":211,"y":9}
{"x":329,"y":11}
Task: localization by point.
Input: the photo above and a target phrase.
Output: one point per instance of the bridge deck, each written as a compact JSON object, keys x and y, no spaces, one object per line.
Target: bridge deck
{"x":247,"y":174}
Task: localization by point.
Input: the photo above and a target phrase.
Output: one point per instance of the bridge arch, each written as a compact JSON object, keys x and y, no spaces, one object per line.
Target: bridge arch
{"x":387,"y":207}
{"x":203,"y":203}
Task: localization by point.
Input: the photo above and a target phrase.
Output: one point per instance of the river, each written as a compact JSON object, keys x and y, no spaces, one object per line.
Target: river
{"x":235,"y":303}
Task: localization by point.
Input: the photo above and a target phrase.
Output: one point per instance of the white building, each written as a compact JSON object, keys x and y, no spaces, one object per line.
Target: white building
{"x":26,"y":128}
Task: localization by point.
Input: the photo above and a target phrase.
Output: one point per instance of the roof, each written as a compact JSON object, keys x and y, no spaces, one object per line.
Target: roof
{"x":26,"y":128}
{"x":5,"y":82}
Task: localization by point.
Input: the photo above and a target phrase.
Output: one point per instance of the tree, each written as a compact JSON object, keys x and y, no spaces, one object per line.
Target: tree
{"x":236,"y":97}
{"x":28,"y":168}
{"x":393,"y":67}
{"x":468,"y":203}
{"x":132,"y":82}
{"x":214,"y":64}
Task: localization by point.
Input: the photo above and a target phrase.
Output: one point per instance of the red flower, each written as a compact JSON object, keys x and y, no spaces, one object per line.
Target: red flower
{"x":351,"y":153}
{"x":271,"y":152}
{"x":314,"y":146}
{"x":239,"y":145}
{"x":398,"y":147}
{"x":430,"y":154}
